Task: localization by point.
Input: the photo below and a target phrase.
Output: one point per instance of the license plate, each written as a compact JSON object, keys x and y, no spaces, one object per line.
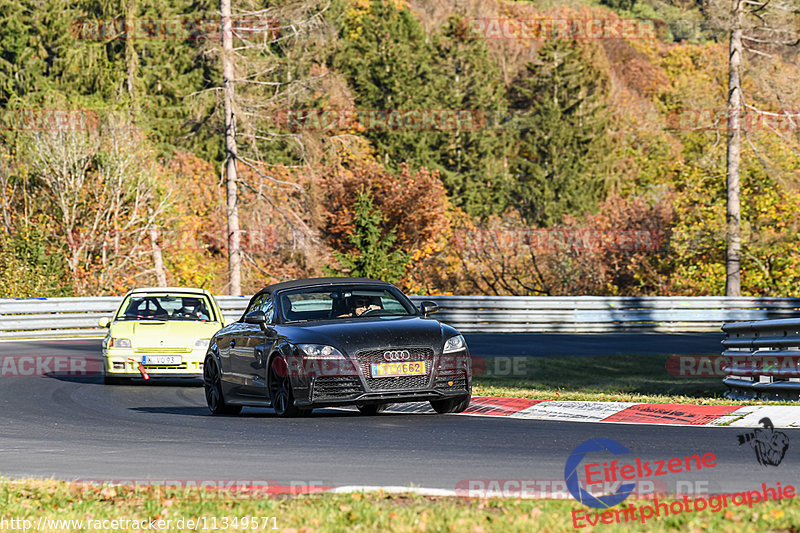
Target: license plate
{"x":161,"y":360}
{"x":407,"y":368}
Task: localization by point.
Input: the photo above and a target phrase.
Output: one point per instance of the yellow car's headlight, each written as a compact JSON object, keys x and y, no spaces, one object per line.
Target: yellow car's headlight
{"x":119,"y":343}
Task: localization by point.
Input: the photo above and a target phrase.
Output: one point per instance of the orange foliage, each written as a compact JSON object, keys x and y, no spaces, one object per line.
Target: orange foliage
{"x":414,"y":203}
{"x":620,"y":250}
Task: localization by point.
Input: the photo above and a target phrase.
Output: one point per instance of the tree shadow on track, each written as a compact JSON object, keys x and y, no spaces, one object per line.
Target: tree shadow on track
{"x":184,"y":411}
{"x":252,"y":412}
{"x":97,"y":379}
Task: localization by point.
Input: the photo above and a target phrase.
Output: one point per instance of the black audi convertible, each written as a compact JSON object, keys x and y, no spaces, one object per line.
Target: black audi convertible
{"x":336,"y":341}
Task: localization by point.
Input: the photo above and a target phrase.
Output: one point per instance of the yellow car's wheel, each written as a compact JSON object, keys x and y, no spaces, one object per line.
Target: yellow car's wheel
{"x":213,"y":388}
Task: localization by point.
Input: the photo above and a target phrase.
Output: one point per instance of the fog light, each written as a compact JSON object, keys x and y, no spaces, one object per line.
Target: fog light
{"x":119,"y":366}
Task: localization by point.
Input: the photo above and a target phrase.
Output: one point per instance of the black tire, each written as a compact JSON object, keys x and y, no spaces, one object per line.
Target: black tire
{"x":280,"y":391}
{"x":454,"y":405}
{"x":371,"y":409}
{"x":114,"y":380}
{"x":212,"y":383}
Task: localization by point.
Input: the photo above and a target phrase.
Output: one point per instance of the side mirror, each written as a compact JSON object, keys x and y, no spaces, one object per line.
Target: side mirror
{"x":428,"y":308}
{"x":103,"y":322}
{"x":258,"y":317}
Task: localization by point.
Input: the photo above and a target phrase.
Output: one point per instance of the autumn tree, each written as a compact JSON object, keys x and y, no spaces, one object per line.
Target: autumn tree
{"x":375,"y":254}
{"x":561,"y":137}
{"x":413,"y":203}
{"x":386,"y":59}
{"x":267,"y":71}
{"x":98,"y":188}
{"x":759,"y":28}
{"x":471,"y":158}
{"x":622,"y":249}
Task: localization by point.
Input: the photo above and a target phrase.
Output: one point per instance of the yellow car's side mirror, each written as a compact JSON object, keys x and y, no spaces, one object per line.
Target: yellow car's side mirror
{"x":103,"y":322}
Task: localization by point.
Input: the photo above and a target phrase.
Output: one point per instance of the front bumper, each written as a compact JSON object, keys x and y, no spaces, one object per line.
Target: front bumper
{"x":448,"y":378}
{"x":124,"y":363}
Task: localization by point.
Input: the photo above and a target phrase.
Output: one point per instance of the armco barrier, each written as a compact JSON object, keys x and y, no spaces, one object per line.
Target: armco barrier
{"x":48,"y":317}
{"x":763,"y":359}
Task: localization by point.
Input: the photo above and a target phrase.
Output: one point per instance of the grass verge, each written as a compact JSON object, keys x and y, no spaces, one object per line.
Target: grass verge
{"x":611,"y":378}
{"x":57,"y":500}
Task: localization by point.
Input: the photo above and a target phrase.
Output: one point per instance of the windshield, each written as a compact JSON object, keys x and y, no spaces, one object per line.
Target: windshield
{"x":334,"y":303}
{"x":166,"y":307}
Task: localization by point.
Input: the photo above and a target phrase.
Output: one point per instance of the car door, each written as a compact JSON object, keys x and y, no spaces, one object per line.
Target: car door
{"x":227,"y":347}
{"x":253,"y":346}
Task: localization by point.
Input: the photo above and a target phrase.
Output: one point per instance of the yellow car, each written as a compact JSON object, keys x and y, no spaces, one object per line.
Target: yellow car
{"x":160,"y":332}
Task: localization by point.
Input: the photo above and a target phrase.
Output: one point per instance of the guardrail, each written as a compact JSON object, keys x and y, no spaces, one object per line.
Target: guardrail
{"x":62,"y":317}
{"x":763,"y":359}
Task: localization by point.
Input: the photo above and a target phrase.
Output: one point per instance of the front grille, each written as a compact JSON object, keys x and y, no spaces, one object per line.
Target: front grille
{"x":163,"y":350}
{"x":398,"y":383}
{"x":328,"y":387}
{"x":133,"y":366}
{"x":367,"y":357}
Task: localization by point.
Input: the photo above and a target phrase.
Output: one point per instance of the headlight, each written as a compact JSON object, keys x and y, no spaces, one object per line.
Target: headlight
{"x":321,"y":351}
{"x":201,"y":343}
{"x":119,"y":343}
{"x":454,"y":344}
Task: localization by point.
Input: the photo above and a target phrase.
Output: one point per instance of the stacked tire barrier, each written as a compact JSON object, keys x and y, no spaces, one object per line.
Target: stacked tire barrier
{"x":763,"y":359}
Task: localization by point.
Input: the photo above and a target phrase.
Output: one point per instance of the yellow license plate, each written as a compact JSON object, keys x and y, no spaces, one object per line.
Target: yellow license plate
{"x":407,"y":368}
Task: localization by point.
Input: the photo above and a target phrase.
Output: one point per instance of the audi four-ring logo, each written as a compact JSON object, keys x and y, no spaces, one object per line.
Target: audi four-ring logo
{"x":396,"y":355}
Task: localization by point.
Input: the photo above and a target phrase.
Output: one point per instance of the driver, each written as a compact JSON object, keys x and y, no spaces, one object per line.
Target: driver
{"x":192,"y":308}
{"x":362,"y":304}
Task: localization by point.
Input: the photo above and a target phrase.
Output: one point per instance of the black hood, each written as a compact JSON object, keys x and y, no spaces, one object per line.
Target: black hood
{"x":353,"y":335}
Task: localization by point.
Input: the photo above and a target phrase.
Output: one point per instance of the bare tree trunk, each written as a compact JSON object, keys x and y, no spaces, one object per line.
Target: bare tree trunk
{"x":131,"y":59}
{"x":234,"y":236}
{"x":733,"y":215}
{"x":158,"y":262}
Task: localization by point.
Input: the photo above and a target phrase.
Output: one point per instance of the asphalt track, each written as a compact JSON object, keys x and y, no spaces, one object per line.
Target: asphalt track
{"x":76,"y":428}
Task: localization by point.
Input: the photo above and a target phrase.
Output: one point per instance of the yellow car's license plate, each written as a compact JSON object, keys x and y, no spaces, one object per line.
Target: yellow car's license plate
{"x":407,"y":368}
{"x":164,"y":360}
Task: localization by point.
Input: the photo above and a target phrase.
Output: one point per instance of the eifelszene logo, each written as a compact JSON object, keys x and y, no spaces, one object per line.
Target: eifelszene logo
{"x":571,"y":474}
{"x":613,"y":472}
{"x":770,"y":445}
